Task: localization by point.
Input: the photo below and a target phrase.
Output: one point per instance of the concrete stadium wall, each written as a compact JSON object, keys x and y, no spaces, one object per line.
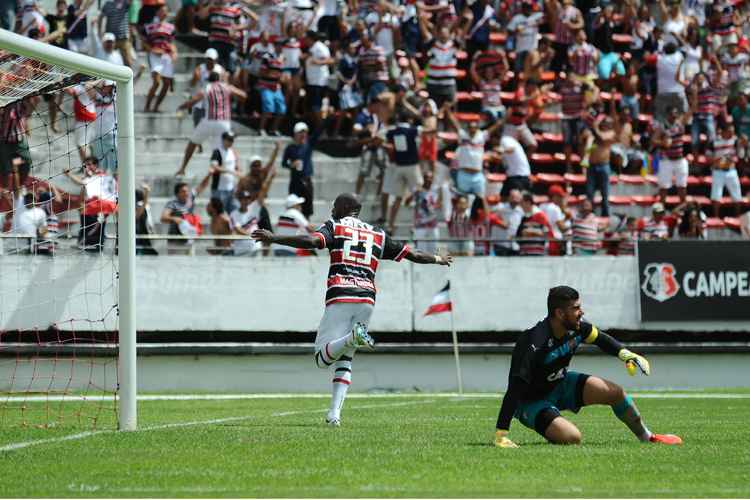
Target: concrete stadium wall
{"x":271,"y":373}
{"x":275,"y":295}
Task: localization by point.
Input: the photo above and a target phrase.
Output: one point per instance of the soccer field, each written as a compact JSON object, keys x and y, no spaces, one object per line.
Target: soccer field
{"x":388,"y":446}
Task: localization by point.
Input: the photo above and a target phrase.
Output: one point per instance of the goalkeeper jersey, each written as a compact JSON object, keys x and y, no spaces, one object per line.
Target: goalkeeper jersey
{"x":541,"y":360}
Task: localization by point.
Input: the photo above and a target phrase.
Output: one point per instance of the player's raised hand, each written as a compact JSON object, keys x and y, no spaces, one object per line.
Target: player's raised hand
{"x":641,"y":362}
{"x":262,"y":235}
{"x":502,"y":441}
{"x":444,"y":260}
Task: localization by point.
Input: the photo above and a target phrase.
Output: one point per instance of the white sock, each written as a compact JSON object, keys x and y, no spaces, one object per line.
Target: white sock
{"x":342,"y":379}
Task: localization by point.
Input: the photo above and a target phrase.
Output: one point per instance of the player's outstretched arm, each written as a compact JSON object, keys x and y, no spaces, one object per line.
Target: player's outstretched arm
{"x":300,"y":241}
{"x":611,"y":346}
{"x":508,"y":408}
{"x":420,"y":257}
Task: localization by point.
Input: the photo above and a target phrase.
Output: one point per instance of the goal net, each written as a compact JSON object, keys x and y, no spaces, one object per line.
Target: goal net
{"x":60,"y":257}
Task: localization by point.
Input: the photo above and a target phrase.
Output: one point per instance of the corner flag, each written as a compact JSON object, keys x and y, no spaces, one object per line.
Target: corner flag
{"x":441,"y":302}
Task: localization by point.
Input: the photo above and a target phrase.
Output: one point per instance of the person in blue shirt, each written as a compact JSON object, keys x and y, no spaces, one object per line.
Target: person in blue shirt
{"x":298,"y":159}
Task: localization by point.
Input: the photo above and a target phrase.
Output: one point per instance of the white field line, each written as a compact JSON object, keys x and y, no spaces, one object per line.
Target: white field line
{"x":75,"y":398}
{"x":215,"y":421}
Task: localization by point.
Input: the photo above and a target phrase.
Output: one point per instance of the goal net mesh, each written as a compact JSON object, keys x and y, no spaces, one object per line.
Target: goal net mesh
{"x":58,"y":265}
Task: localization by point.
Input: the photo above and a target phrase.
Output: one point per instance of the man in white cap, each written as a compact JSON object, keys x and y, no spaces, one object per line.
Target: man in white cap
{"x":298,"y":159}
{"x":200,"y":80}
{"x":104,"y":49}
{"x":291,"y":223}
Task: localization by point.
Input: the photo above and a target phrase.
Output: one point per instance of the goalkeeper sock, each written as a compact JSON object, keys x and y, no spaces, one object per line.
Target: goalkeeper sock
{"x":629,"y":414}
{"x":342,"y":379}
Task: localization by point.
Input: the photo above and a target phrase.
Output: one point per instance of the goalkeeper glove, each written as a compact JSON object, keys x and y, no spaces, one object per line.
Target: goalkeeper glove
{"x":502,"y":441}
{"x":639,"y":360}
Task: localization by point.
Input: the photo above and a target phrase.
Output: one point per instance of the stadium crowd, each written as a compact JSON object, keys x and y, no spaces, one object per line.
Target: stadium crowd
{"x":533,"y":108}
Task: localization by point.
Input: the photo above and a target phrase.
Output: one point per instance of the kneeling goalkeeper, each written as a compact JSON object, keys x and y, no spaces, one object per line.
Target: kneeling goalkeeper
{"x":540,"y":385}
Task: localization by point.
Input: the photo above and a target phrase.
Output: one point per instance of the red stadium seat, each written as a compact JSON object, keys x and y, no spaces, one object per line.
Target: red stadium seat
{"x":496,"y":177}
{"x":448,"y":136}
{"x":732,"y":223}
{"x":694,"y":181}
{"x":621,"y":200}
{"x":468,"y":117}
{"x":622,"y":39}
{"x":575,"y":179}
{"x":644,"y":200}
{"x":544,"y":178}
{"x":715,"y":223}
{"x":498,"y":38}
{"x":634,"y":180}
{"x":540,"y":198}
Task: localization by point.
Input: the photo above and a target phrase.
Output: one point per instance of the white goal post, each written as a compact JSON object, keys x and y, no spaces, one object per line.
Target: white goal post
{"x":123,"y":77}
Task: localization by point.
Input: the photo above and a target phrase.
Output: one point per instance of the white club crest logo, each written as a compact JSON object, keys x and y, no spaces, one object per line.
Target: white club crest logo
{"x":660,"y":281}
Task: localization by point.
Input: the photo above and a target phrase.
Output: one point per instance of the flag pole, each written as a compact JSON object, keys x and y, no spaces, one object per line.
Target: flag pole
{"x":455,"y":353}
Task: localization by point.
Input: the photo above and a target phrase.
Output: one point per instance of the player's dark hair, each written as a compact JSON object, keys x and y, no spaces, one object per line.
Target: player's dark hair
{"x":560,"y":297}
{"x":214,"y":76}
{"x":179,"y":186}
{"x":346,"y":204}
{"x":527,"y":196}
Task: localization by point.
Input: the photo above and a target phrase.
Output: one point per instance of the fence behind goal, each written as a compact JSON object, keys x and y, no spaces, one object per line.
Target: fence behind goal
{"x":66,"y":238}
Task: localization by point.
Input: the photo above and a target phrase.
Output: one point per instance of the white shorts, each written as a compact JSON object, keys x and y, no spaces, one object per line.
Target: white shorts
{"x":728,"y":179}
{"x":398,"y":179}
{"x":85,"y":133}
{"x":426,"y":232}
{"x":79,"y":45}
{"x":338,"y":320}
{"x":162,"y":64}
{"x":672,"y":168}
{"x":210,"y":130}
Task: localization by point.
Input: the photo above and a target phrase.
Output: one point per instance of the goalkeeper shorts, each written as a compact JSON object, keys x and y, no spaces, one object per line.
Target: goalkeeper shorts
{"x":567,"y":395}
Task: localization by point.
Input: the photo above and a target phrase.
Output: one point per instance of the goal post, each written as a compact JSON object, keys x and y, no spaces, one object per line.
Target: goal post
{"x":123,"y":78}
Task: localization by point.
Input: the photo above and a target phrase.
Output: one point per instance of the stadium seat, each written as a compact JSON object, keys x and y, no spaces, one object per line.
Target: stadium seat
{"x":644,"y":200}
{"x":620,"y":200}
{"x":575,"y":179}
{"x":545,"y":178}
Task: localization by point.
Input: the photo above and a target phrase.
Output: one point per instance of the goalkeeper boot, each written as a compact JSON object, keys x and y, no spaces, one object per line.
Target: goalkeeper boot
{"x":333,"y":421}
{"x":665,"y":439}
{"x":360,"y":337}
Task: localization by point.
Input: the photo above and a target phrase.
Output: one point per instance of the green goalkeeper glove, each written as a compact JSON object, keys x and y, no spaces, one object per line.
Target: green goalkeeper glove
{"x":639,"y":360}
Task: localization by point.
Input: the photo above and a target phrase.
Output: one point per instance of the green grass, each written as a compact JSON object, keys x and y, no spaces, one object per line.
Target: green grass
{"x":388,"y":447}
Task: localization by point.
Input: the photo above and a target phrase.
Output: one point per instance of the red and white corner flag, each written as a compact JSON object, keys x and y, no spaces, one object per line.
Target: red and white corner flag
{"x":441,"y":302}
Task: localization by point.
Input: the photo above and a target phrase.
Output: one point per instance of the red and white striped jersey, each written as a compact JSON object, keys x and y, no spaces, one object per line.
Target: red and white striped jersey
{"x":217,"y":101}
{"x":160,"y":36}
{"x":563,"y":34}
{"x":586,"y":233}
{"x":356,"y":249}
{"x":725,"y":149}
{"x":675,"y":132}
{"x":221,"y":18}
{"x":533,"y":233}
{"x":582,"y":59}
{"x":84,"y":107}
{"x":441,"y":68}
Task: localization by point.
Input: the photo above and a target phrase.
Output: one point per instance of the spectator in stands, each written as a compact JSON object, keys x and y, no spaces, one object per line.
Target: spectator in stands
{"x":736,"y":64}
{"x":659,"y":226}
{"x":403,"y":174}
{"x":573,"y":101}
{"x":673,"y":166}
{"x":199,"y":80}
{"x":534,"y":231}
{"x":669,"y":82}
{"x":13,"y":131}
{"x":104,"y":48}
{"x":741,"y":116}
{"x":31,"y":19}
{"x":583,"y":58}
{"x":226,"y":169}
{"x":159,"y":37}
{"x":84,"y":113}
{"x":470,"y":177}
{"x":428,"y":202}
{"x":723,"y":169}
{"x":428,"y":139}
{"x":517,"y":168}
{"x":115,"y":12}
{"x":627,"y":237}
{"x":317,"y":72}
{"x":369,"y":131}
{"x":220,"y":225}
{"x":77,"y":26}
{"x":217,"y":97}
{"x":223,"y":27}
{"x":538,"y":61}
{"x":441,"y":63}
{"x":586,"y":239}
{"x":706,"y":109}
{"x":105,"y":126}
{"x":515,"y":122}
{"x":691,"y":224}
{"x":559,"y":217}
{"x":487,"y":80}
{"x":298,"y":159}
{"x":29,"y":219}
{"x":567,"y":21}
{"x":99,"y":196}
{"x":250,"y":216}
{"x":460,"y":227}
{"x":179,"y":214}
{"x":258,"y":173}
{"x":630,"y":86}
{"x":524,"y":27}
{"x":350,"y":98}
{"x":512,"y":213}
{"x":143,"y":223}
{"x":272,"y":98}
{"x":481,"y":228}
{"x":597,"y":174}
{"x":291,"y":222}
{"x":8,"y":14}
{"x":291,"y":57}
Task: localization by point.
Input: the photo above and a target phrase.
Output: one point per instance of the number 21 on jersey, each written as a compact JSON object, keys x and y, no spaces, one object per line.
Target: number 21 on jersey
{"x":355,"y":238}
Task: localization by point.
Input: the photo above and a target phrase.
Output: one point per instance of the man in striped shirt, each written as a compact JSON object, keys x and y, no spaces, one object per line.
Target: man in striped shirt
{"x":356,"y":249}
{"x":162,"y":52}
{"x":224,"y":23}
{"x":586,"y":239}
{"x":217,"y":101}
{"x":673,"y":166}
{"x":723,"y":170}
{"x":271,"y":97}
{"x":373,"y":69}
{"x":583,"y":58}
{"x":534,"y":230}
{"x":116,"y":14}
{"x":567,"y":20}
{"x":704,"y":121}
{"x":441,"y":65}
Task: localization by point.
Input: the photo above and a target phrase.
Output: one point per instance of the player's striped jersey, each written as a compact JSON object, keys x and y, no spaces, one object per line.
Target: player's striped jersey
{"x":160,"y":36}
{"x":356,"y":249}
